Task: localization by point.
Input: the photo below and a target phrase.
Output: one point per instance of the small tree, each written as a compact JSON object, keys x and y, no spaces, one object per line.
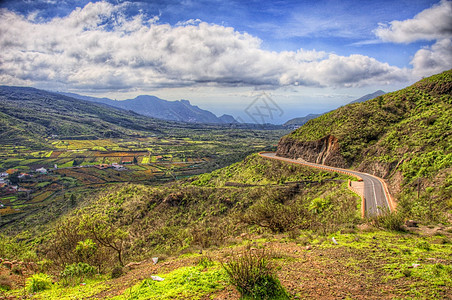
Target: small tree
{"x":104,"y":232}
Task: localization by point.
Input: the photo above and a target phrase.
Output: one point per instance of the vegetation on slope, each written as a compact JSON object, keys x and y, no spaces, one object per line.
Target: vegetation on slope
{"x":227,"y":207}
{"x":135,"y":221}
{"x":405,"y":137}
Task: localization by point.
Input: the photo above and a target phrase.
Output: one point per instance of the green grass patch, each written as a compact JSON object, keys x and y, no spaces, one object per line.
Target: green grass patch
{"x":184,"y":283}
{"x":58,"y":292}
{"x":67,"y":164}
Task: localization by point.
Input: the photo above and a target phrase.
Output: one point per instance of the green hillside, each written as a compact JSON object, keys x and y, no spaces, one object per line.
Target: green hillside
{"x":404,"y":137}
{"x":305,"y":219}
{"x":29,"y":115}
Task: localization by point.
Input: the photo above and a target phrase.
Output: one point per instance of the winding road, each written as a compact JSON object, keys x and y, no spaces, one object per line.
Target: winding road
{"x":376,"y":196}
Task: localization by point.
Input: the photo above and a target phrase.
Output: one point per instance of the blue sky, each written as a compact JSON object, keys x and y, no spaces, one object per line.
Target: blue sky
{"x":308,"y":56}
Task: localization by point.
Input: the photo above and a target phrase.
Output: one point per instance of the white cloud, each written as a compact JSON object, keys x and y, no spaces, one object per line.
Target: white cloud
{"x":434,"y":59}
{"x":97,"y":47}
{"x":430,"y":24}
{"x":434,"y":23}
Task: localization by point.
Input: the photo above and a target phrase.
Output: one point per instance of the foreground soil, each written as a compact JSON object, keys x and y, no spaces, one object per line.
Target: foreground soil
{"x":363,"y":264}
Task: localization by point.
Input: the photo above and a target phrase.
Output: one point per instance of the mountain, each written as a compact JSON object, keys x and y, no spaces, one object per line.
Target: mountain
{"x":404,"y":137}
{"x":298,"y":122}
{"x":227,"y":119}
{"x":154,"y":107}
{"x":368,"y":97}
{"x":28,"y":115}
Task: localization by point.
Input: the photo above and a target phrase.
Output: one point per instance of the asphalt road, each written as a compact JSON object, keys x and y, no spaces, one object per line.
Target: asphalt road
{"x":376,"y":200}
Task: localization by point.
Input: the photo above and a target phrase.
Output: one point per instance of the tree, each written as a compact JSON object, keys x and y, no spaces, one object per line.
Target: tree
{"x":104,"y":232}
{"x":14,"y":178}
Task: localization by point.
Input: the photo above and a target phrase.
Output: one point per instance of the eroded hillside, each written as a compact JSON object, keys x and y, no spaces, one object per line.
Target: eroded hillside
{"x":404,"y":137}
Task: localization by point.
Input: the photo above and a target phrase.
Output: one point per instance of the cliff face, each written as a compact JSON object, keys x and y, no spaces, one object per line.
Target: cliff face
{"x":323,"y":151}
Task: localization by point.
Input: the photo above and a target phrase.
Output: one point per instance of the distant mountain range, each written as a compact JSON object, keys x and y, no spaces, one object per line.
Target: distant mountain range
{"x":28,"y":116}
{"x":297,"y":122}
{"x":155,"y":107}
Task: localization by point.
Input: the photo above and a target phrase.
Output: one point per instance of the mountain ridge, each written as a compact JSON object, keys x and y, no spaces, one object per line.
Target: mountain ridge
{"x":152,"y":106}
{"x":300,"y":121}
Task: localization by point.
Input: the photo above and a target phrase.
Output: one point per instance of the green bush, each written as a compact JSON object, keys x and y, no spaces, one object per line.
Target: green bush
{"x":38,"y":282}
{"x":76,"y":273}
{"x":389,"y":220}
{"x":78,"y":270}
{"x":254,"y":277}
{"x":275,"y":216}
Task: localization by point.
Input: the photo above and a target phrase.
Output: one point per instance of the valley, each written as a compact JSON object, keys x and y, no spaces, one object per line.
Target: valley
{"x":153,"y":209}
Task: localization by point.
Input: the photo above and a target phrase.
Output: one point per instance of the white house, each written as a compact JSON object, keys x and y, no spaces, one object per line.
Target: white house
{"x":41,"y":170}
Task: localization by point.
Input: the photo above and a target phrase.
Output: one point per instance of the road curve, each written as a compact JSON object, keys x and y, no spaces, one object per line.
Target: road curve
{"x":376,"y":193}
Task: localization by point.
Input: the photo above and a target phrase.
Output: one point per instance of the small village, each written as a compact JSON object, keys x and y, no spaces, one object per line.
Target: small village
{"x":12,"y":179}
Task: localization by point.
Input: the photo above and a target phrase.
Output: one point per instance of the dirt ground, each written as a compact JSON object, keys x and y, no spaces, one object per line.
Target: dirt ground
{"x":306,"y":270}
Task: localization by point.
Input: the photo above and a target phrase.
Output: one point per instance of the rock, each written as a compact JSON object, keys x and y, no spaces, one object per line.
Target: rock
{"x":411,"y":223}
{"x":131,"y":265}
{"x":323,"y":151}
{"x":157,"y":278}
{"x":8,"y":264}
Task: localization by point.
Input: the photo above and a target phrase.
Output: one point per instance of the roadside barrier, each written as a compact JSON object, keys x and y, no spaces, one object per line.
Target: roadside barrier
{"x":343,"y":171}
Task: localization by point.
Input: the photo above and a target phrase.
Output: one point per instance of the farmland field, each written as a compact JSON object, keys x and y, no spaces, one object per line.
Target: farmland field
{"x":78,"y":167}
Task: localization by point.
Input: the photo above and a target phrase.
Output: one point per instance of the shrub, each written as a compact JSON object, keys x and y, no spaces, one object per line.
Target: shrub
{"x":78,"y":270}
{"x":254,"y":277}
{"x":205,"y":262}
{"x":389,"y":220}
{"x":275,"y":216}
{"x":116,"y":272}
{"x":38,"y":282}
{"x":5,"y":283}
{"x":86,"y":249}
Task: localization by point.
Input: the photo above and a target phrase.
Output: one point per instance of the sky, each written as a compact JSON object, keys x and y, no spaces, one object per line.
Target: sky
{"x":288,"y":58}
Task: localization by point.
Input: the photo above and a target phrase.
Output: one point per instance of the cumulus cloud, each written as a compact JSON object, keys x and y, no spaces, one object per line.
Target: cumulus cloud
{"x":98,"y":47}
{"x":435,"y":24}
{"x":431,"y":24}
{"x":434,"y":59}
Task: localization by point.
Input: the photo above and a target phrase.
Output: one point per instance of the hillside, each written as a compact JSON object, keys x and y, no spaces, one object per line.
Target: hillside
{"x":297,"y":122}
{"x":196,"y":226}
{"x":30,"y":115}
{"x":404,"y":137}
{"x":155,"y":107}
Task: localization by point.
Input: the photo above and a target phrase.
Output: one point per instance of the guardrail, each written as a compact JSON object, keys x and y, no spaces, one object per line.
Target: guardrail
{"x":391,"y":202}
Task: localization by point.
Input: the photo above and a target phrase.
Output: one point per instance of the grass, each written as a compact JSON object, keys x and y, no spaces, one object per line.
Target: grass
{"x":404,"y":134}
{"x":397,"y":253}
{"x":184,"y":283}
{"x":58,"y":292}
{"x":254,"y":276}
